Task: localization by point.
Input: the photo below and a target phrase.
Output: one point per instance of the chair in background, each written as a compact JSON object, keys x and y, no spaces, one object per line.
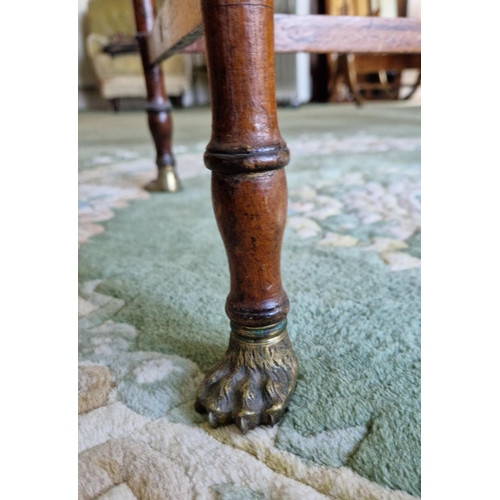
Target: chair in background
{"x":115,"y":56}
{"x":369,"y":76}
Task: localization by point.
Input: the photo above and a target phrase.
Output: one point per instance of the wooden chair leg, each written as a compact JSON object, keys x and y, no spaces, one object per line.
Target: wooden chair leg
{"x":415,"y":87}
{"x":158,"y":106}
{"x":252,"y":384}
{"x":347,"y":62}
{"x":335,"y":77}
{"x":115,"y":104}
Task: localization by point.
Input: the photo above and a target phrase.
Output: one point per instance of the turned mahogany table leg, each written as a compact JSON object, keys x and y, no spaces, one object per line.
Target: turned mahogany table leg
{"x":158,"y":106}
{"x":255,"y":379}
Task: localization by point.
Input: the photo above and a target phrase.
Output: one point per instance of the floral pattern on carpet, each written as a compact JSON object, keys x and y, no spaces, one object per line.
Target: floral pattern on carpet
{"x":383,"y":216}
{"x":109,"y":181}
{"x":124,"y":454}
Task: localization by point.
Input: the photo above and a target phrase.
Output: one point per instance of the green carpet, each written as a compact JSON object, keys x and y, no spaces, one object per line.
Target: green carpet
{"x":350,"y":266}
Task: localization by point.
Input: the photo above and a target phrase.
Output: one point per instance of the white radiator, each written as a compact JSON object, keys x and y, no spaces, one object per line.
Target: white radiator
{"x":293,"y":71}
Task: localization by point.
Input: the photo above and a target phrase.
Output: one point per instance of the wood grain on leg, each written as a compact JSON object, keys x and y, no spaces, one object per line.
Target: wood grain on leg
{"x":250,"y":208}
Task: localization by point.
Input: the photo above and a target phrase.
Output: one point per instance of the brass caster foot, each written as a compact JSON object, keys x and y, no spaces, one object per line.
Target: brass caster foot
{"x":254,"y":381}
{"x":167,"y":181}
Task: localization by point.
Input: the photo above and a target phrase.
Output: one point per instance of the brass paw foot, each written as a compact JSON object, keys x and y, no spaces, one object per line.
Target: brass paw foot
{"x":167,"y":181}
{"x":252,"y":384}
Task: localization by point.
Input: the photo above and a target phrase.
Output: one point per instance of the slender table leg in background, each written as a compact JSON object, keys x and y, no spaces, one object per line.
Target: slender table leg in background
{"x":253,"y":382}
{"x":158,"y":106}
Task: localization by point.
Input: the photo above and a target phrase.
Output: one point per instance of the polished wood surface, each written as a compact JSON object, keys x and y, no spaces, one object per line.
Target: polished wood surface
{"x":313,"y":33}
{"x":251,"y":214}
{"x":246,"y":154}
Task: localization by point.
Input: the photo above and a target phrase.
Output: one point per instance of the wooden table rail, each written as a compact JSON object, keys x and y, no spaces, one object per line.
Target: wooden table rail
{"x":174,"y":33}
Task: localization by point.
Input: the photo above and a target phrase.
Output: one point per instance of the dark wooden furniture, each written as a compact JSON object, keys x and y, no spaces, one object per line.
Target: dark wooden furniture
{"x":367,"y":74}
{"x":253,"y":382}
{"x":158,"y":105}
{"x":356,"y":69}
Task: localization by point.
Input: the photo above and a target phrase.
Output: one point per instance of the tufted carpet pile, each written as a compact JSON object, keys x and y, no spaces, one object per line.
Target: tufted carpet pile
{"x":153,"y":281}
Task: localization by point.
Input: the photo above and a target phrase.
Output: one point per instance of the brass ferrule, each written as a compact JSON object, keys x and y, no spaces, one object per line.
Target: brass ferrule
{"x":167,"y":177}
{"x":271,"y":334}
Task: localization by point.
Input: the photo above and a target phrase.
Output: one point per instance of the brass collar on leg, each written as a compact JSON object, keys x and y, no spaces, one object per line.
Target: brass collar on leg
{"x":271,"y":334}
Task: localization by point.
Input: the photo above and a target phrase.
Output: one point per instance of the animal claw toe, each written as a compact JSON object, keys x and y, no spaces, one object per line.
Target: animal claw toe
{"x":212,"y":420}
{"x":243,"y":424}
{"x":199,"y":407}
